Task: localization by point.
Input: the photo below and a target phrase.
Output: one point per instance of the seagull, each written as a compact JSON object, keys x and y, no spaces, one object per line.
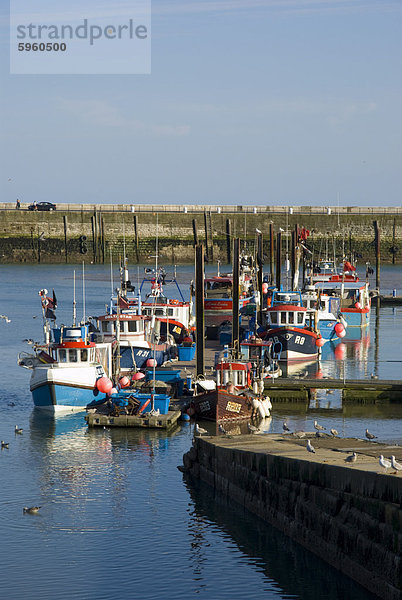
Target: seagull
{"x":7,"y":320}
{"x":384,"y":462}
{"x":370,"y":436}
{"x":253,"y":428}
{"x":199,"y":430}
{"x":318,"y":427}
{"x":373,"y":376}
{"x":352,"y":458}
{"x":222,"y":429}
{"x":310,"y":447}
{"x":32,"y":510}
{"x":329,"y":392}
{"x":299,"y":434}
{"x":285,"y":426}
{"x":257,"y":230}
{"x":334,"y":432}
{"x":395,"y":465}
{"x":4,"y":444}
{"x":28,"y":341}
{"x":18,"y":429}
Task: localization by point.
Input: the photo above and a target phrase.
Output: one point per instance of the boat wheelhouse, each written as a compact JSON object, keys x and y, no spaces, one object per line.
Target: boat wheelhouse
{"x":291,"y":336}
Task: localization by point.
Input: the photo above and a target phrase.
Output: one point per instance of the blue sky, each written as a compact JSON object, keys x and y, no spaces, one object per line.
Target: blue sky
{"x":259,"y":102}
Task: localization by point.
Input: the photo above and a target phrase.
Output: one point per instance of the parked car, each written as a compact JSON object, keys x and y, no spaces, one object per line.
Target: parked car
{"x":42,"y":206}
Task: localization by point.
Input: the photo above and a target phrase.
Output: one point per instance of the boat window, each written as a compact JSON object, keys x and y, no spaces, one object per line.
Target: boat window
{"x":170,"y":312}
{"x":300,"y":318}
{"x":62,"y":356}
{"x":274,"y":317}
{"x":73,"y":355}
{"x":159,"y":312}
{"x":291,"y":318}
{"x":106,"y":326}
{"x":84,"y":355}
{"x":132,"y":326}
{"x":283,"y":317}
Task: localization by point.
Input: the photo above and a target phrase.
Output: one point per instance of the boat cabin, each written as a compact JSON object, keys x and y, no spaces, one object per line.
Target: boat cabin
{"x":132,"y":327}
{"x":286,"y":310}
{"x":237,"y":373}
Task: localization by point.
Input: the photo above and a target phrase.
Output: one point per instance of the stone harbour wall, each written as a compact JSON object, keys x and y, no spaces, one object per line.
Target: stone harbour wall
{"x":350,"y":518}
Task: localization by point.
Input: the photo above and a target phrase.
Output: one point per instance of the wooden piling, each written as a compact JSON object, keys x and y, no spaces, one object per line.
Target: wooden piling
{"x":293,"y":255}
{"x":260,"y":266}
{"x":271,"y":253}
{"x":278,"y":259}
{"x":228,"y":242}
{"x":377,"y":242}
{"x":93,"y":226}
{"x":195,"y":235}
{"x":103,"y":240}
{"x":199,"y":310}
{"x":136,"y":239}
{"x":206,"y":236}
{"x":211,"y":237}
{"x":65,"y":238}
{"x":235,"y":297}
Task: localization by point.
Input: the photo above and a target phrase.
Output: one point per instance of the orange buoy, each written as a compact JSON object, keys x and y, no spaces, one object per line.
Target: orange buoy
{"x":319,"y":342}
{"x":124,"y":381}
{"x":144,"y":406}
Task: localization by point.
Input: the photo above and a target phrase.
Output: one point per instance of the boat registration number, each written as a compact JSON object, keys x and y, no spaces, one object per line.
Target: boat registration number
{"x":204,"y":406}
{"x":233,"y":407}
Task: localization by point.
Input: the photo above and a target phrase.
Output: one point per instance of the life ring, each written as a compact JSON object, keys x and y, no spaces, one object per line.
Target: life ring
{"x":174,"y":302}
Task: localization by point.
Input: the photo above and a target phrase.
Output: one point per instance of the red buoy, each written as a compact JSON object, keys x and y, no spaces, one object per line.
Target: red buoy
{"x":151,"y":362}
{"x":340,"y":330}
{"x":320,"y":342}
{"x":138,"y":376}
{"x":104,"y":385}
{"x":358,"y":305}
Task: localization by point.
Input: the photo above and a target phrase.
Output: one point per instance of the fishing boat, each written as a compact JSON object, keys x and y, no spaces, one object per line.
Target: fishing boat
{"x":236,"y":393}
{"x":325,"y":311}
{"x":328,"y":270}
{"x":292,"y":338}
{"x":65,"y":368}
{"x":136,"y":340}
{"x":218,"y":291}
{"x":354,"y":297}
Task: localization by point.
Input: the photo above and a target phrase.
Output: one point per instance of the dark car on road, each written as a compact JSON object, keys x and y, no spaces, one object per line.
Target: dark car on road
{"x":42,"y":206}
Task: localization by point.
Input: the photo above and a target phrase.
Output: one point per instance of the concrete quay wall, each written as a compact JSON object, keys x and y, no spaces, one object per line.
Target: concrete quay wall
{"x":351,"y":518}
{"x":108,"y":227}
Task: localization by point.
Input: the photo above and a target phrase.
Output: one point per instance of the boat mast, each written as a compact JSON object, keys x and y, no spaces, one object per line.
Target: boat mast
{"x":74,"y":303}
{"x":83,"y":292}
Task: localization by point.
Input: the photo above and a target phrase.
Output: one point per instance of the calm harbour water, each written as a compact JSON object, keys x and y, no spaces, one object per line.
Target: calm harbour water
{"x":118,"y":520}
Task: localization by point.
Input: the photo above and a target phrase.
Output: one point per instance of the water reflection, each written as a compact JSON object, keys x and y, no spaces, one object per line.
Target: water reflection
{"x":289,"y":570}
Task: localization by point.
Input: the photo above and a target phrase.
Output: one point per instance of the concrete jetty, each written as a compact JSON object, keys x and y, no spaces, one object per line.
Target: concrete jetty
{"x":348,"y":513}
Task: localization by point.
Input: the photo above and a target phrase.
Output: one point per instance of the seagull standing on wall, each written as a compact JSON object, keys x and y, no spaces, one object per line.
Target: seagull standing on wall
{"x":199,"y":430}
{"x":384,"y":463}
{"x":395,"y":465}
{"x":310,"y":447}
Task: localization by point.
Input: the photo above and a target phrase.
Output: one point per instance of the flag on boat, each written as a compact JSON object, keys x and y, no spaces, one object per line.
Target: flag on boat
{"x":49,"y":304}
{"x":347,"y":266}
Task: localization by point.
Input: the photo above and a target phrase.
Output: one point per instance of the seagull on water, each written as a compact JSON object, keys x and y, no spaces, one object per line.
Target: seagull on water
{"x":222,"y":429}
{"x":31,"y":510}
{"x":4,"y":444}
{"x":334,"y":432}
{"x":384,"y":463}
{"x":395,"y":465}
{"x":285,"y":426}
{"x":370,"y":436}
{"x":7,"y":320}
{"x":318,"y":427}
{"x":351,"y":458}
{"x":310,"y":447}
{"x":199,"y":430}
{"x":18,"y":429}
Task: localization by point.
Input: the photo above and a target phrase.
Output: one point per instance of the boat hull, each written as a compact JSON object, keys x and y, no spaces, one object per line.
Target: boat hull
{"x":59,"y":388}
{"x":292,"y":344}
{"x":356,"y":317}
{"x":219,"y":405}
{"x":132,"y":357}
